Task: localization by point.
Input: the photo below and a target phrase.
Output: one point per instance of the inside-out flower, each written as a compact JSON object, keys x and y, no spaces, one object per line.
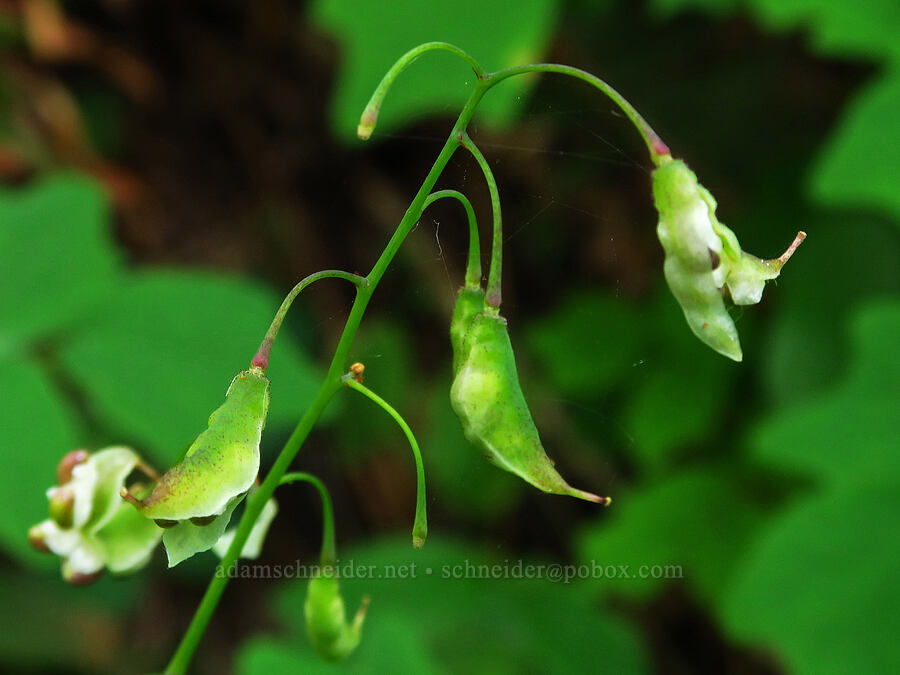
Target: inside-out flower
{"x":90,"y":527}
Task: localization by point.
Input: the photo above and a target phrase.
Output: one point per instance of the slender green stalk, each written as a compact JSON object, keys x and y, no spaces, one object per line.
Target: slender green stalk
{"x":328,"y":555}
{"x":370,"y":115}
{"x":473,"y":268}
{"x":658,"y":149}
{"x":261,"y":359}
{"x":493,"y":294}
{"x":331,"y":384}
{"x":420,"y":525}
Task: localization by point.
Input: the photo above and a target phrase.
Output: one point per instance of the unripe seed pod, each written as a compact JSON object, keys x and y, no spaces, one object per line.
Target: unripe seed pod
{"x":469,"y":303}
{"x":488,"y":399}
{"x":703,"y":258}
{"x":221,"y":463}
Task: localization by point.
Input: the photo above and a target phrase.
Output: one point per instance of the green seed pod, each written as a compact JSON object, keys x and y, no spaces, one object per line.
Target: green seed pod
{"x":221,"y":463}
{"x":326,"y":624}
{"x":703,"y":257}
{"x":469,"y":302}
{"x":489,"y":402}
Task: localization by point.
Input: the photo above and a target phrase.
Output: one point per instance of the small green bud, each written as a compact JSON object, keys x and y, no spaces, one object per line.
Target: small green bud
{"x":62,"y":507}
{"x":489,"y":402}
{"x":326,"y":625}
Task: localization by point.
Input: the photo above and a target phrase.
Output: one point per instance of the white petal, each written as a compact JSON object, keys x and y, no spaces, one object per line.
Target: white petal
{"x":85,"y":559}
{"x":83,"y":484}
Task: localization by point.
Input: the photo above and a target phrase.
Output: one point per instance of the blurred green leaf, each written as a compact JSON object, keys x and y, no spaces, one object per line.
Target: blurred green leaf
{"x":402,"y":648}
{"x":805,"y":351}
{"x":432,"y":622}
{"x":464,"y":480}
{"x":677,"y":393}
{"x":589,"y":343}
{"x":844,"y":434}
{"x":821,"y":586}
{"x":699,"y":520}
{"x":375,"y":35}
{"x":838,"y":27}
{"x":56,"y":255}
{"x":159,"y":358}
{"x":860,"y":163}
{"x":37,"y":432}
{"x":58,"y":628}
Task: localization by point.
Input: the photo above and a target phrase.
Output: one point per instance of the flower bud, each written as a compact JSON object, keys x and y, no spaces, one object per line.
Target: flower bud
{"x":326,"y":625}
{"x":62,"y":506}
{"x":37,"y":539}
{"x":80,"y":578}
{"x":69,"y":462}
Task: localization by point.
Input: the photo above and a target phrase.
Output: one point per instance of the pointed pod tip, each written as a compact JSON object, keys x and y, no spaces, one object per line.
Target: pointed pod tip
{"x":588,"y":496}
{"x":418,"y":541}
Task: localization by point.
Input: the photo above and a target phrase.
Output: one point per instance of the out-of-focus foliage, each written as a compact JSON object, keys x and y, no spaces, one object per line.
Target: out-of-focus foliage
{"x":149,"y":352}
{"x":373,"y":36}
{"x":858,"y":165}
{"x":429,"y":620}
{"x":167,"y":342}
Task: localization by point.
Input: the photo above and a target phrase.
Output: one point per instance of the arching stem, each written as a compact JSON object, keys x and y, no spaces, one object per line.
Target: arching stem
{"x":261,"y":358}
{"x":369,"y":118}
{"x":473,"y":268}
{"x":658,"y":149}
{"x":328,"y":555}
{"x":495,"y":277}
{"x":420,"y":525}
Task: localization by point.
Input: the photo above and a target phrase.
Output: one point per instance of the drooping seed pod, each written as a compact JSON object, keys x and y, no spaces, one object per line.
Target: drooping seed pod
{"x":489,"y":402}
{"x":703,"y":258}
{"x":221,"y":464}
{"x":331,"y":635}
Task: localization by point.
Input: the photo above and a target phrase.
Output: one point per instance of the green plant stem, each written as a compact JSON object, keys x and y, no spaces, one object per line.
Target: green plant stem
{"x":658,"y":149}
{"x":473,"y":268}
{"x":370,"y":115}
{"x":331,"y":384}
{"x":420,"y":525}
{"x":493,"y":294}
{"x":328,"y":555}
{"x":261,"y":359}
